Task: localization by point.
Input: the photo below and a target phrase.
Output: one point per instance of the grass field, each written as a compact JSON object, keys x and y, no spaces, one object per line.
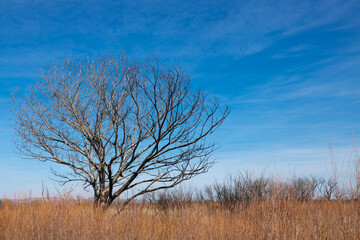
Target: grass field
{"x":240,"y":207}
{"x":269,"y":219}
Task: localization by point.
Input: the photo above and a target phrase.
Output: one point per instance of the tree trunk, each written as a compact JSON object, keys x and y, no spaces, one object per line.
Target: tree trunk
{"x":103,"y":202}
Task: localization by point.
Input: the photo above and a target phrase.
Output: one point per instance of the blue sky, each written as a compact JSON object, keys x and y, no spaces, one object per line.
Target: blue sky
{"x":289,"y":70}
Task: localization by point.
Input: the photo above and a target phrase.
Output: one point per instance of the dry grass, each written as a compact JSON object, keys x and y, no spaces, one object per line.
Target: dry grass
{"x":271,"y":219}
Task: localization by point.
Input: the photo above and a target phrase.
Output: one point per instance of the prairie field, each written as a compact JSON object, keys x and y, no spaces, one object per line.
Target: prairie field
{"x":67,"y":218}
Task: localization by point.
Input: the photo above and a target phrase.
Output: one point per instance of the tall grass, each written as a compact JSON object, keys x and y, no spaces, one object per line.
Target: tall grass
{"x":175,"y":217}
{"x":240,"y":207}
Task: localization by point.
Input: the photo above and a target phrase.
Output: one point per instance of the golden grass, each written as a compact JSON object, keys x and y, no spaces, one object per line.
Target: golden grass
{"x":70,"y":219}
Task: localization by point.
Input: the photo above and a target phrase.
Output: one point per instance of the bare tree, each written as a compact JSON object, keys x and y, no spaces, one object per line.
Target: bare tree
{"x":119,"y":125}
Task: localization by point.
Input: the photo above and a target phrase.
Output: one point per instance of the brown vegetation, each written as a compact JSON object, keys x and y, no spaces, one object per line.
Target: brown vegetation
{"x":269,"y":219}
{"x":240,"y":207}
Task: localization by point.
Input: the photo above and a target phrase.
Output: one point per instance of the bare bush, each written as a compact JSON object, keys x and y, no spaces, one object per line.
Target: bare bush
{"x":242,"y":189}
{"x":301,"y":189}
{"x":327,"y":188}
{"x":173,"y":199}
{"x":236,"y":189}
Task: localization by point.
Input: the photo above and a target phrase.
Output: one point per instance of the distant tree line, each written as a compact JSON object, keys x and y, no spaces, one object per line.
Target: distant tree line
{"x":239,"y":190}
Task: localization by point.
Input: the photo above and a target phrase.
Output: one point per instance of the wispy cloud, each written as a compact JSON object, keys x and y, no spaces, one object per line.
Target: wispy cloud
{"x":288,"y":69}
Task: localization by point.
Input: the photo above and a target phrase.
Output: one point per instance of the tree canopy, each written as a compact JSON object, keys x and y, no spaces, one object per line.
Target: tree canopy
{"x":119,"y":125}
